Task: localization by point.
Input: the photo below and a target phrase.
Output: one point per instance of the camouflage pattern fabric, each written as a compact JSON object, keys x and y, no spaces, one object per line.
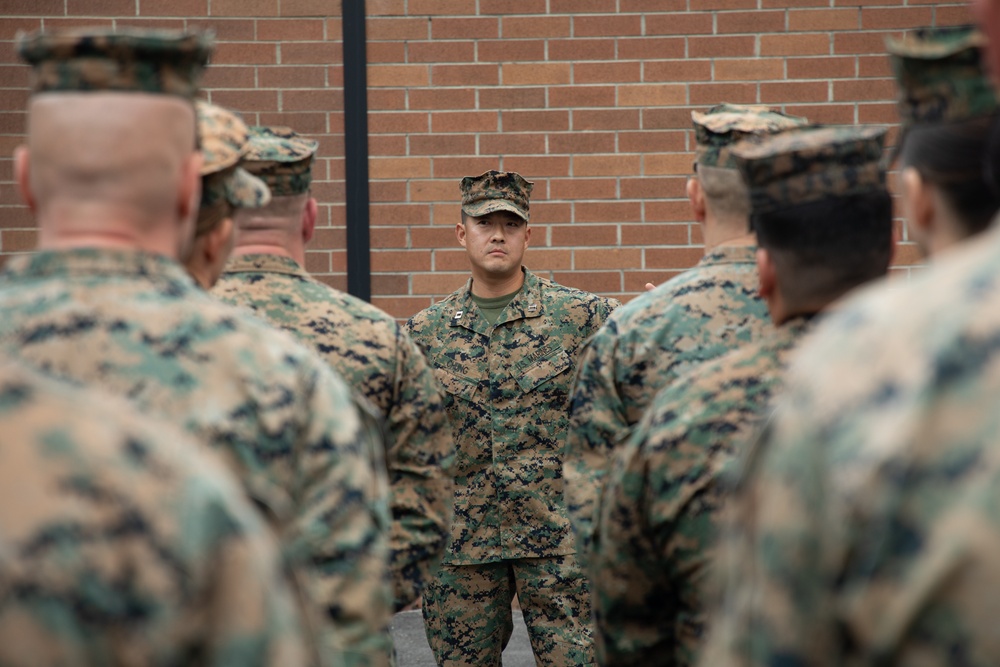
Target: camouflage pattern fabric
{"x":647,"y":344}
{"x":941,"y":76}
{"x":376,"y":356}
{"x":654,"y":543}
{"x":125,"y":544}
{"x":136,"y":325}
{"x":725,"y":124}
{"x":496,"y":191}
{"x":223,"y":142}
{"x":867,"y":521}
{"x":282,"y":159}
{"x":147,"y":61}
{"x":506,"y":388}
{"x":468,"y":620}
{"x":805,"y":165}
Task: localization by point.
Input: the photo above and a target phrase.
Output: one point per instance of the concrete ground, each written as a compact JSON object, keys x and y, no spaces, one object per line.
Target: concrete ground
{"x":412,"y":649}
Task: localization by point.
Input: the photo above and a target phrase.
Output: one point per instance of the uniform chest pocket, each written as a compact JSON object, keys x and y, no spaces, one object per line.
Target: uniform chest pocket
{"x":536,"y":370}
{"x":455,"y":384}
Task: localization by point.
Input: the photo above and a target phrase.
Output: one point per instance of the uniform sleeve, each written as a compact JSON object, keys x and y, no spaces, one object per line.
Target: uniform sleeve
{"x":420,"y":458}
{"x":775,"y":559}
{"x":655,"y":537}
{"x":622,"y":564}
{"x":343,"y":520}
{"x":597,"y":421}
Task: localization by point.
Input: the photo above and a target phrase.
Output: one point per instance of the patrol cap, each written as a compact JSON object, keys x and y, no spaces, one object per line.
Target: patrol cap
{"x":940,"y":75}
{"x":809,"y":164}
{"x":224,"y":141}
{"x":99,"y":60}
{"x":281,"y":158}
{"x":496,"y":191}
{"x":725,"y":124}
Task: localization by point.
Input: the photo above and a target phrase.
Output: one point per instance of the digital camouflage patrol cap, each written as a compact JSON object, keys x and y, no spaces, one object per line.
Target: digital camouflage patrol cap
{"x":224,"y":141}
{"x":281,"y":158}
{"x":809,"y":164}
{"x":725,"y":124}
{"x":99,"y":60}
{"x":496,"y":191}
{"x":940,"y":76}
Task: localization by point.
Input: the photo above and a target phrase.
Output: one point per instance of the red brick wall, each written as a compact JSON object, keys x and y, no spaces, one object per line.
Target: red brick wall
{"x":590,"y":99}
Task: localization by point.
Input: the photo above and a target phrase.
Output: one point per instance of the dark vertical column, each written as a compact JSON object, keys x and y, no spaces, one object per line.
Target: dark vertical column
{"x":359,"y":278}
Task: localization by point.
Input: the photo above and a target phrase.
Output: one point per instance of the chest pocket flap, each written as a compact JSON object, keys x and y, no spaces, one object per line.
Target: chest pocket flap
{"x":455,"y":384}
{"x":542,"y":367}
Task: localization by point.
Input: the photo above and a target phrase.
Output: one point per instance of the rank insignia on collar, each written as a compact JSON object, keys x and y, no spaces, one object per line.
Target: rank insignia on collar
{"x":458,"y":314}
{"x":532,"y":307}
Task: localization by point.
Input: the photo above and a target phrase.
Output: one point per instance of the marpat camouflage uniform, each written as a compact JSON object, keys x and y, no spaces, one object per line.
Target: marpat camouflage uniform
{"x":376,"y":356}
{"x":654,"y":542}
{"x":654,"y":547}
{"x":125,"y":544}
{"x":135,"y":324}
{"x":868,"y":515}
{"x":506,"y":388}
{"x":660,"y":335}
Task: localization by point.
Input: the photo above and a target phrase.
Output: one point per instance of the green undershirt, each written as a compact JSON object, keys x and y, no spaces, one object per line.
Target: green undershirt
{"x":491,"y":307}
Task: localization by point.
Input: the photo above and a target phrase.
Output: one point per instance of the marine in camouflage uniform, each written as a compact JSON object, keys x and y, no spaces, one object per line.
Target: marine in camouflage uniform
{"x":225,"y":187}
{"x":127,"y":318}
{"x":507,"y":384}
{"x":694,"y":317}
{"x":947,"y":111}
{"x":654,"y":544}
{"x":125,"y":544}
{"x":866,"y":523}
{"x":362,"y":343}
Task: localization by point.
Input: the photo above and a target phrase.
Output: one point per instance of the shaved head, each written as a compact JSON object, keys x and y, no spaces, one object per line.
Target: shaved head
{"x":123,"y":157}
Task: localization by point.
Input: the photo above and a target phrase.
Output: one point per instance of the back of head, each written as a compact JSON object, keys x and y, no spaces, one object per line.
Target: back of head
{"x":111,"y":120}
{"x":821,"y":209}
{"x":283,"y":160}
{"x":947,"y":109}
{"x":716,"y":131}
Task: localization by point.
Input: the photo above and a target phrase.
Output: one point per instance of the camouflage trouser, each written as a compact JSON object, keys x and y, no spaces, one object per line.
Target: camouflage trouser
{"x":467,"y":611}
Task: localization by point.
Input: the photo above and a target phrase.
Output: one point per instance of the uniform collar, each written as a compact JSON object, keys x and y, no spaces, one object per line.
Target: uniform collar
{"x":265,"y":263}
{"x":526,"y":304}
{"x":730,"y":254}
{"x":111,"y":262}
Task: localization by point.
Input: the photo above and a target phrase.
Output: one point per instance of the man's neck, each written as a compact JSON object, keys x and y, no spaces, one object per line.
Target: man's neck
{"x":716,"y":235}
{"x":489,"y":287}
{"x":167,"y":247}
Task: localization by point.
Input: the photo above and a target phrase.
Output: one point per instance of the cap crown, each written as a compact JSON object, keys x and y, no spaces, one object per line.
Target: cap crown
{"x":496,"y":191}
{"x":810,"y":164}
{"x":940,"y":75}
{"x":147,"y":61}
{"x":725,"y":124}
{"x":281,"y":158}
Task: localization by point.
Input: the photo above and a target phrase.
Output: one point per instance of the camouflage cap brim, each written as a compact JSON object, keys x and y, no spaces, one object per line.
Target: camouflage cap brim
{"x":487,"y":206}
{"x":133,"y":60}
{"x":222,"y":135}
{"x":236,"y":186}
{"x":244,"y":190}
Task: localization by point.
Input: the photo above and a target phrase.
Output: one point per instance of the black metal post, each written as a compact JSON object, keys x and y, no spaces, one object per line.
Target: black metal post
{"x":359,"y":278}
